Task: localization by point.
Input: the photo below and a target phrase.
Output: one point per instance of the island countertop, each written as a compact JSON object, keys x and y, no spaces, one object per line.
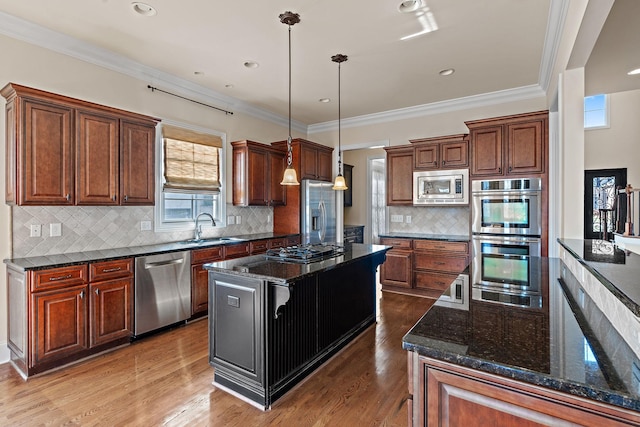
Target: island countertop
{"x":283,"y":272}
{"x":568,"y":345}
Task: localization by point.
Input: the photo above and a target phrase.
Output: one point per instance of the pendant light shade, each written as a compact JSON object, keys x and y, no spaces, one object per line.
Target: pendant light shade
{"x":290,"y":177}
{"x":339,"y":184}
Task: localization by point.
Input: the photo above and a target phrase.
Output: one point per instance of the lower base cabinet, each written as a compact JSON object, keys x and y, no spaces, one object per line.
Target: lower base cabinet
{"x":442,"y":393}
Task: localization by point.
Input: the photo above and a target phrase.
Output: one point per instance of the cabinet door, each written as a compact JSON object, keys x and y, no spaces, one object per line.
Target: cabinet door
{"x":199,"y":290}
{"x":400,"y":177}
{"x":258,"y":181}
{"x":97,"y":164}
{"x":278,"y":193}
{"x":308,"y":162}
{"x":47,"y":155}
{"x":525,"y":147}
{"x":426,"y":157}
{"x":455,"y":154}
{"x":58,"y":323}
{"x":396,"y":270}
{"x":110,"y":309}
{"x":137,"y":142}
{"x":325,"y":161}
{"x":486,"y":151}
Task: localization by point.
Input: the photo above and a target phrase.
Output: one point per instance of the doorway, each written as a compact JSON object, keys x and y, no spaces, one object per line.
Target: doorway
{"x":377,"y":198}
{"x":604,"y":210}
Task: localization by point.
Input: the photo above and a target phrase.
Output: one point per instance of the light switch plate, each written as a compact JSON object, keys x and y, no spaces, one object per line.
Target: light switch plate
{"x":238,"y":219}
{"x":407,"y":219}
{"x":145,"y":225}
{"x":55,"y":229}
{"x":231,"y":220}
{"x":396,"y":218}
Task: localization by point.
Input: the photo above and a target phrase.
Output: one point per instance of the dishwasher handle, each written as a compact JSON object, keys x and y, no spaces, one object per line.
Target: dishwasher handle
{"x":148,"y":265}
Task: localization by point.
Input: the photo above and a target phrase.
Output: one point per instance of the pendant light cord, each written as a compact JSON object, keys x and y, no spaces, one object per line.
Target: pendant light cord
{"x":289,"y":154}
{"x":339,"y":121}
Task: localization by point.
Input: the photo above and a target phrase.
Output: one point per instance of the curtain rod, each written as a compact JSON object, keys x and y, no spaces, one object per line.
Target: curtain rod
{"x":153,"y":89}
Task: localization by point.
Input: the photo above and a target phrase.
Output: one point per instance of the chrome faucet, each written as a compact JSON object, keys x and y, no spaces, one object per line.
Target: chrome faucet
{"x":198,"y":229}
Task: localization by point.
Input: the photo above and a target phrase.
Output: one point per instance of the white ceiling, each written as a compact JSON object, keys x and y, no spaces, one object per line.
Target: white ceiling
{"x":494,"y":45}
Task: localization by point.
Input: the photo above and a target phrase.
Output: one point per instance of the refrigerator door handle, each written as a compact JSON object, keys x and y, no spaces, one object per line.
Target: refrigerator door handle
{"x":323,"y":216}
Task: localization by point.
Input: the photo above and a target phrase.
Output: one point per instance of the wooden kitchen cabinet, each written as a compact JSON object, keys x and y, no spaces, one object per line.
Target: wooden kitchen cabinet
{"x":510,"y":145}
{"x":200,"y":278}
{"x":395,"y":272}
{"x":309,"y":159}
{"x":444,"y":152}
{"x":257,"y":172}
{"x":74,"y":152}
{"x":400,"y":176}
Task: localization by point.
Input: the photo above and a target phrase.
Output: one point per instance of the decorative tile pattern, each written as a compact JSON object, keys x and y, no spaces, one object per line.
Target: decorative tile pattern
{"x":429,"y":220}
{"x":88,"y":228}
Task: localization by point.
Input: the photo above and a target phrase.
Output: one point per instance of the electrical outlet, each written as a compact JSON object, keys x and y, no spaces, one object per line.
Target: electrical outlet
{"x":407,"y":219}
{"x":231,"y":220}
{"x":145,"y":225}
{"x":55,"y":230}
{"x":268,"y":219}
{"x":396,"y":218}
{"x":238,"y":219}
{"x":36,"y":230}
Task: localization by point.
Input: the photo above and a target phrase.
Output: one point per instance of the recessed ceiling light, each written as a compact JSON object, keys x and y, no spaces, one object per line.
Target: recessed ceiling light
{"x":634,"y":72}
{"x":198,"y":73}
{"x":143,"y":9}
{"x":408,"y":6}
{"x":324,"y":100}
{"x":447,"y":72}
{"x":251,"y":64}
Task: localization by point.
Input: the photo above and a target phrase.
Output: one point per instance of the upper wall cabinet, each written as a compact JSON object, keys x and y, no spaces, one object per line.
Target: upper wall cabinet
{"x":399,"y":175}
{"x":444,"y":152}
{"x":309,"y":159}
{"x":510,"y":145}
{"x":64,"y":151}
{"x":257,"y":172}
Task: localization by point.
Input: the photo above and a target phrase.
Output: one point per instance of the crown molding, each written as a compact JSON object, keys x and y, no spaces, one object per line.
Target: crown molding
{"x":465,"y":103}
{"x":37,"y":35}
{"x":558,"y":10}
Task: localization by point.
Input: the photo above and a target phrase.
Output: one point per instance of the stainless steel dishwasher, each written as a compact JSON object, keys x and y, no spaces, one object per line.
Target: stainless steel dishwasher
{"x":163,"y":291}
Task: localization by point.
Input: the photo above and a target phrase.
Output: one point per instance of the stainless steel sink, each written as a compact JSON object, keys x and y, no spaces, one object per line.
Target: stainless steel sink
{"x":211,"y":240}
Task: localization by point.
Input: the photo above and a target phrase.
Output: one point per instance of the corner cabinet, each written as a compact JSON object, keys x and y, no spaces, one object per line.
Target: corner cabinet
{"x":257,"y":172}
{"x":64,"y":151}
{"x":400,"y":176}
{"x":510,"y":145}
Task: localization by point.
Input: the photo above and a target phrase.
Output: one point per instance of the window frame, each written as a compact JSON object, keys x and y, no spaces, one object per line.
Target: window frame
{"x":606,"y":110}
{"x":159,"y":224}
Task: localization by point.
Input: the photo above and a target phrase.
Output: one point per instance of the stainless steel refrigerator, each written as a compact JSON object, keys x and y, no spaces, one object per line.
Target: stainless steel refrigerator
{"x":318,"y":209}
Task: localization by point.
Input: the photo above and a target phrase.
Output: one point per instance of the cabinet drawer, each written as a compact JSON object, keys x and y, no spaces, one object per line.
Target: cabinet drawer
{"x":438,"y":245}
{"x":58,"y":277}
{"x":293,"y":240}
{"x":425,"y":261}
{"x":258,"y":247}
{"x":206,"y":255}
{"x":396,"y":243}
{"x":435,"y":281}
{"x":236,"y":251}
{"x":110,"y":269}
{"x":277,"y":243}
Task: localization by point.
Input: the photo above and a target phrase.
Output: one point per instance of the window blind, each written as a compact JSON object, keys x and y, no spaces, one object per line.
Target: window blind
{"x":191,"y":161}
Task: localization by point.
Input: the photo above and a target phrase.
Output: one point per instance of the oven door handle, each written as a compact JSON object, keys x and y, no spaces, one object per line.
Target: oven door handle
{"x":506,"y":239}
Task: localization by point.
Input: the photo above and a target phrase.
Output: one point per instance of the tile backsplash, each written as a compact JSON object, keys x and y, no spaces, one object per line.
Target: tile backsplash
{"x":430,"y":220}
{"x":88,"y":228}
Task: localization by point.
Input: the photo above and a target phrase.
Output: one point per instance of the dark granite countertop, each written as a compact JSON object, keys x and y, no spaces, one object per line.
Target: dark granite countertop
{"x":61,"y":260}
{"x":618,"y":270}
{"x":448,"y":237}
{"x":568,"y":345}
{"x":276,"y":271}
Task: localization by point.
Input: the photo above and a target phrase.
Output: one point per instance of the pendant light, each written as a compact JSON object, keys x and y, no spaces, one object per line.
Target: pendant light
{"x":290,"y":177}
{"x":339,"y":183}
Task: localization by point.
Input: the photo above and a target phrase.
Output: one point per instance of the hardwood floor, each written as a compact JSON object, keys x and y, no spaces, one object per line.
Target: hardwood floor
{"x":166,"y":380}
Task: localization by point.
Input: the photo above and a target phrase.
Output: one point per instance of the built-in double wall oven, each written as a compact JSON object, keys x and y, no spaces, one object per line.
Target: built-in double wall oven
{"x":506,"y":229}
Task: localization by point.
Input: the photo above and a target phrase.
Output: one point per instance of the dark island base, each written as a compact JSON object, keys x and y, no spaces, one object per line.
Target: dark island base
{"x":292,"y":328}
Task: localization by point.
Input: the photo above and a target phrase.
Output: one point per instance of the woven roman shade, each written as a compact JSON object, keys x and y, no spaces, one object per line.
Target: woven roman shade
{"x":191,"y":161}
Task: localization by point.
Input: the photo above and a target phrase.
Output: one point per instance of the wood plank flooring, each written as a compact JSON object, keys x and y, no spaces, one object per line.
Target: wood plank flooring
{"x":166,"y":380}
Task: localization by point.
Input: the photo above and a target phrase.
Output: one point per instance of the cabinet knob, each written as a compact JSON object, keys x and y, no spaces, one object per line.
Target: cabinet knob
{"x":97,"y":291}
{"x":509,"y":168}
{"x":435,"y":163}
{"x":443,"y":162}
{"x":68,"y":197}
{"x":113,"y":197}
{"x":126,"y":198}
{"x":81,"y":294}
{"x":499,"y":170}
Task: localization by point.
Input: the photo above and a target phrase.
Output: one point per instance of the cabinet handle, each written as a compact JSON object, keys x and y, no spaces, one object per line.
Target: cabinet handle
{"x":126,"y":198}
{"x":68,"y":197}
{"x":435,"y":163}
{"x":81,"y":294}
{"x":443,"y":162}
{"x":97,"y":292}
{"x":509,"y":168}
{"x":66,"y":276}
{"x":439,"y":263}
{"x":437,"y":283}
{"x":500,"y":170}
{"x":111,"y":270}
{"x":113,"y":197}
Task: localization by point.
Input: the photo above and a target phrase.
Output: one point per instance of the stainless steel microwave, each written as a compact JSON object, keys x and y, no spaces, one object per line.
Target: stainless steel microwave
{"x":441,"y":187}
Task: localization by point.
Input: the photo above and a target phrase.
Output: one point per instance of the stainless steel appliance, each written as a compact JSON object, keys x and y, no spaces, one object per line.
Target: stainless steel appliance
{"x":318,"y":222}
{"x":506,"y":227}
{"x":507,"y":206}
{"x":457,"y":295}
{"x":441,"y":187}
{"x":305,"y":254}
{"x":162,"y":291}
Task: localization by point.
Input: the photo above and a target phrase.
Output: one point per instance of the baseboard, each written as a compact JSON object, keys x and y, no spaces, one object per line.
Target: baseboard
{"x":4,"y":352}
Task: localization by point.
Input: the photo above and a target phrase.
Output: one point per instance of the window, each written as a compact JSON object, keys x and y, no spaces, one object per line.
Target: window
{"x":596,"y":112}
{"x":190,"y":174}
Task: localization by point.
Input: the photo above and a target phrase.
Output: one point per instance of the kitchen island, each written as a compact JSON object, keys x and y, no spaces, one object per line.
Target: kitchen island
{"x":500,"y":364}
{"x":273,"y":322}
